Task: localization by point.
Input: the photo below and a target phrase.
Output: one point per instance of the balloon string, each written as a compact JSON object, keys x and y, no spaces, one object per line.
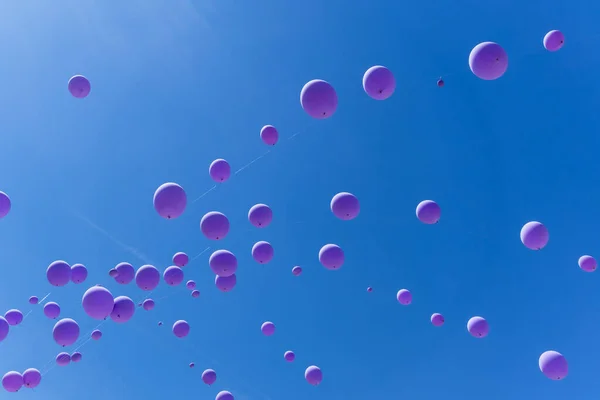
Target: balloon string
{"x":199,"y":254}
{"x":44,"y":298}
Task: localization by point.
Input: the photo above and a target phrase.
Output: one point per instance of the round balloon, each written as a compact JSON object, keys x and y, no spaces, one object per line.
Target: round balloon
{"x":225,"y":283}
{"x":379,"y":82}
{"x":260,"y":215}
{"x":170,"y":200}
{"x":588,"y":263}
{"x":181,"y":259}
{"x":223,"y":263}
{"x":437,"y":319}
{"x":181,"y":329}
{"x":214,"y":225}
{"x":534,"y":235}
{"x":125,"y":273}
{"x":219,"y":170}
{"x":404,"y":297}
{"x":331,"y":256}
{"x":428,"y":212}
{"x":262,"y":252}
{"x":554,"y":365}
{"x":58,"y":273}
{"x":51,"y":310}
{"x":488,"y":61}
{"x":5,"y":204}
{"x":192,"y":365}
{"x":554,"y":40}
{"x":319,"y":99}
{"x":369,"y":289}
{"x":4,"y":328}
{"x":296,"y":271}
{"x":440,"y":82}
{"x":76,"y":356}
{"x":33,"y":300}
{"x":66,"y":332}
{"x":159,"y":323}
{"x":289,"y":356}
{"x":345,"y":206}
{"x":79,"y":86}
{"x":224,"y":395}
{"x":123,"y":309}
{"x":269,"y":135}
{"x":32,"y":378}
{"x":478,"y":327}
{"x":173,"y":275}
{"x":12,"y":381}
{"x":13,"y":317}
{"x":195,"y":293}
{"x":147,"y":277}
{"x":313,"y":375}
{"x":78,"y":273}
{"x":190,"y":285}
{"x":268,"y":328}
{"x":113,"y":273}
{"x":148,"y":304}
{"x":96,"y":334}
{"x":63,"y":359}
{"x":209,"y":376}
{"x":97,"y":302}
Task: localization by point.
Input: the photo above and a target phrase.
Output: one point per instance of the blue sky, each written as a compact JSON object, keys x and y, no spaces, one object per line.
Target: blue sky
{"x":178,"y":83}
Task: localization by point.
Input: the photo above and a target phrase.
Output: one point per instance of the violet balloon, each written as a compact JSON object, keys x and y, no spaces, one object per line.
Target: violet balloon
{"x":125,"y":273}
{"x":65,"y":332}
{"x":262,"y":252}
{"x":5,"y":204}
{"x":225,"y":283}
{"x":76,"y":357}
{"x":437,"y":319}
{"x":268,"y":328}
{"x":192,"y":365}
{"x":170,"y":200}
{"x":404,"y":297}
{"x":369,"y":289}
{"x":379,"y":82}
{"x":478,"y":327}
{"x":219,"y":170}
{"x":223,"y":263}
{"x":440,"y":82}
{"x":488,"y":61}
{"x":180,"y":259}
{"x":269,"y":135}
{"x":195,"y":293}
{"x":148,"y":304}
{"x":214,"y":225}
{"x":313,"y":375}
{"x":260,"y":215}
{"x":191,"y":285}
{"x":345,"y":206}
{"x":97,"y":302}
{"x":79,"y":86}
{"x":123,"y":309}
{"x":79,"y":273}
{"x":33,"y":300}
{"x":587,"y":263}
{"x":428,"y":212}
{"x":4,"y":328}
{"x":13,"y":317}
{"x":554,"y":365}
{"x":12,"y":381}
{"x":32,"y":378}
{"x":296,"y":271}
{"x":51,"y":310}
{"x":63,"y":359}
{"x":173,"y":275}
{"x":224,"y":395}
{"x":113,"y":273}
{"x":319,"y":99}
{"x":181,"y":328}
{"x":96,"y":334}
{"x":209,"y":376}
{"x":331,"y":256}
{"x":147,"y":277}
{"x":58,"y":273}
{"x":554,"y":40}
{"x":289,"y":356}
{"x":534,"y":235}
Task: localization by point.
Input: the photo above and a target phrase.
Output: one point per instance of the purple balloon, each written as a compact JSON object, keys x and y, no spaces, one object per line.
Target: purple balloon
{"x":369,"y":289}
{"x":192,"y":365}
{"x":225,"y":283}
{"x":123,"y":309}
{"x":269,"y":135}
{"x":13,"y":317}
{"x":180,"y":259}
{"x":554,"y":40}
{"x":78,"y":273}
{"x":554,"y":365}
{"x":379,"y":82}
{"x":59,"y":273}
{"x":534,"y":235}
{"x":79,"y":86}
{"x":4,"y":328}
{"x":190,"y":285}
{"x":65,"y":332}
{"x":76,"y":356}
{"x":63,"y":359}
{"x":268,"y":328}
{"x":223,"y":263}
{"x":345,"y":206}
{"x":12,"y":381}
{"x":159,"y":323}
{"x":440,"y":82}
{"x":125,"y":273}
{"x":32,"y":378}
{"x":296,"y":271}
{"x":478,"y":327}
{"x":97,"y":302}
{"x":224,"y":395}
{"x":319,"y":99}
{"x":313,"y":375}
{"x":587,"y":263}
{"x":51,"y":310}
{"x":209,"y":376}
{"x":148,"y":304}
{"x":331,"y":256}
{"x":260,"y":215}
{"x":219,"y":170}
{"x":34,"y":300}
{"x":289,"y":356}
{"x":173,"y":275}
{"x":181,"y":328}
{"x":404,"y":297}
{"x":214,"y":225}
{"x":437,"y":319}
{"x":96,"y":334}
{"x":428,"y":212}
{"x":147,"y":277}
{"x":5,"y":204}
{"x":195,"y":293}
{"x":170,"y":200}
{"x":262,"y":252}
{"x":113,"y":273}
{"x":488,"y":61}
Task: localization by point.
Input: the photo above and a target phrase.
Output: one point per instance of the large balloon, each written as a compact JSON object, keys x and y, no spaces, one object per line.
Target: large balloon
{"x":268,"y":328}
{"x":269,"y":135}
{"x":190,"y":285}
{"x":225,"y":283}
{"x":488,"y":61}
{"x":588,"y":263}
{"x":345,"y":206}
{"x":437,"y":319}
{"x":96,"y":334}
{"x":379,"y":82}
{"x":262,"y":252}
{"x":181,"y":328}
{"x":147,"y":277}
{"x":224,"y":395}
{"x":554,"y":40}
{"x":296,"y":271}
{"x":4,"y":204}
{"x":534,"y":235}
{"x":209,"y":376}
{"x":123,"y":309}
{"x":12,"y":381}
{"x":32,"y":378}
{"x":97,"y":302}
{"x":404,"y":297}
{"x":195,"y":293}
{"x":428,"y":212}
{"x":78,"y":273}
{"x":289,"y":356}
{"x":63,"y":359}
{"x":180,"y":259}
{"x":260,"y":215}
{"x":4,"y":328}
{"x":554,"y":365}
{"x":125,"y":273}
{"x":173,"y":275}
{"x":148,"y":304}
{"x":223,"y":263}
{"x":13,"y":317}
{"x":34,"y":300}
{"x":58,"y":273}
{"x":51,"y":310}
{"x":76,"y":356}
{"x":313,"y":375}
{"x":66,"y":332}
{"x":170,"y":200}
{"x":214,"y":225}
{"x":79,"y":86}
{"x":478,"y":327}
{"x":319,"y":99}
{"x":219,"y":170}
{"x":331,"y":256}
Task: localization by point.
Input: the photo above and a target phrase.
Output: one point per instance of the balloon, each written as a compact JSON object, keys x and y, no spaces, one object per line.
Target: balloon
{"x":170,"y":200}
{"x":209,"y":376}
{"x":159,"y":323}
{"x":224,"y":395}
{"x":488,"y":61}
{"x":331,"y":256}
{"x":173,"y":275}
{"x":33,"y":300}
{"x":76,"y":356}
{"x":554,"y":365}
{"x":225,"y":283}
{"x":180,"y":259}
{"x":262,"y":252}
{"x":97,"y":302}
{"x":214,"y":225}
{"x":12,"y":381}
{"x":440,"y":82}
{"x":78,"y":273}
{"x":219,"y":170}
{"x":268,"y":328}
{"x":192,"y":365}
{"x":260,"y":215}
{"x":63,"y":359}
{"x":319,"y":99}
{"x":4,"y":328}
{"x":65,"y":332}
{"x":478,"y":327}
{"x":223,"y":263}
{"x":404,"y":297}
{"x":190,"y":285}
{"x":369,"y":289}
{"x":32,"y":378}
{"x":125,"y":273}
{"x":58,"y":273}
{"x":51,"y":310}
{"x":79,"y":86}
{"x":13,"y":317}
{"x":195,"y":293}
{"x":587,"y":263}
{"x":96,"y":334}
{"x":313,"y":375}
{"x":345,"y":206}
{"x":269,"y":135}
{"x":181,"y":328}
{"x":534,"y":235}
{"x":297,"y":270}
{"x":123,"y":309}
{"x":147,"y":277}
{"x":379,"y":82}
{"x":289,"y":356}
{"x":5,"y":204}
{"x":437,"y":319}
{"x":113,"y":273}
{"x":148,"y":304}
{"x":554,"y":40}
{"x":428,"y":212}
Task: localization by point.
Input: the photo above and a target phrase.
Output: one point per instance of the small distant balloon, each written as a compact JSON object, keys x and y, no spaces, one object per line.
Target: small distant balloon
{"x":5,"y":204}
{"x":428,"y":212}
{"x":268,"y":328}
{"x":76,"y":357}
{"x":223,"y":263}
{"x":123,"y":309}
{"x":148,"y":304}
{"x":219,"y":170}
{"x":32,"y":378}
{"x":192,"y":365}
{"x":289,"y":356}
{"x":478,"y":327}
{"x":97,"y":302}
{"x":113,"y":273}
{"x":191,"y":285}
{"x":224,"y":395}
{"x":379,"y":82}
{"x":345,"y":206}
{"x":214,"y":225}
{"x":125,"y":273}
{"x":63,"y":359}
{"x":96,"y":334}
{"x":225,"y":283}
{"x":437,"y":319}
{"x":181,"y":329}
{"x":195,"y":294}
{"x":147,"y":277}
{"x":554,"y":365}
{"x":319,"y":99}
{"x":331,"y":256}
{"x":534,"y":235}
{"x":587,"y":263}
{"x":297,"y":270}
{"x":159,"y":323}
{"x":34,"y":300}
{"x":79,"y":86}
{"x":440,"y":82}
{"x":269,"y":135}
{"x":260,"y":215}
{"x":369,"y":289}
{"x":209,"y":376}
{"x":79,"y":273}
{"x":12,"y":381}
{"x":58,"y":273}
{"x":404,"y":297}
{"x":554,"y":40}
{"x":4,"y":328}
{"x":313,"y":375}
{"x":51,"y":310}
{"x":181,"y":259}
{"x":65,"y":332}
{"x":13,"y":317}
{"x":173,"y":275}
{"x":170,"y":200}
{"x":488,"y":61}
{"x":262,"y":252}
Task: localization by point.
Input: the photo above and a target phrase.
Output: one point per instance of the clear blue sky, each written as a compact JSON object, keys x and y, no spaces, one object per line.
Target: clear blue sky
{"x":178,"y":83}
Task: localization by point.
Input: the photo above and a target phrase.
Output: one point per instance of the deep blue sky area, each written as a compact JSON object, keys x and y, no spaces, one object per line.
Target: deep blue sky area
{"x":179,"y":83}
